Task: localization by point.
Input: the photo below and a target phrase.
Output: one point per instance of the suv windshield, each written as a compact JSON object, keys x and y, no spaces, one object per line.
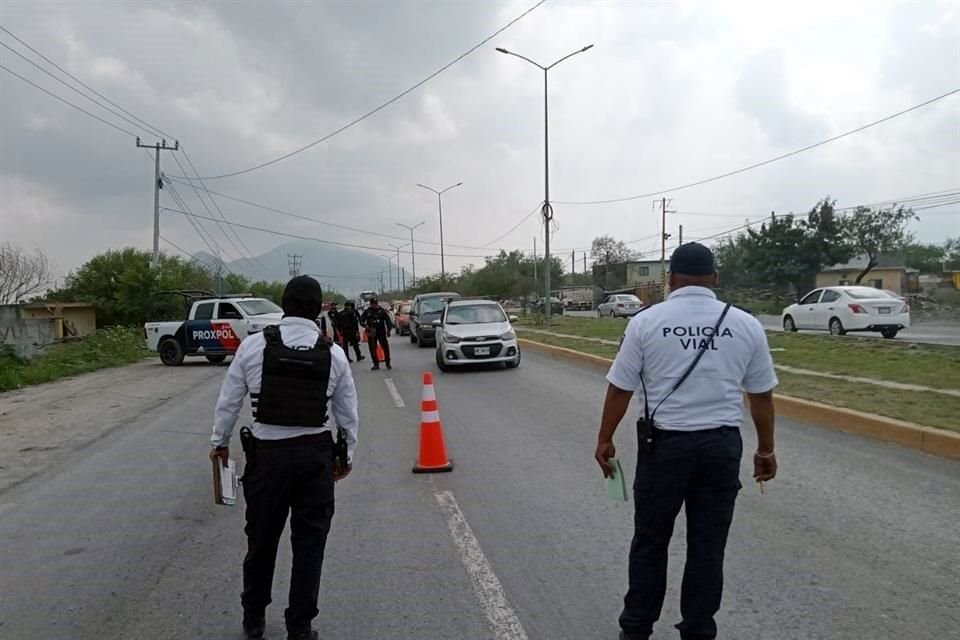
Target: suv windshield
{"x":866,"y":293}
{"x":432,"y":305}
{"x":475,"y":314}
{"x":259,"y":307}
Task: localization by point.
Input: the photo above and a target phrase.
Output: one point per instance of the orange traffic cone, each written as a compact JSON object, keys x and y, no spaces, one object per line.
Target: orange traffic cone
{"x":433,"y":451}
{"x":381,"y":356}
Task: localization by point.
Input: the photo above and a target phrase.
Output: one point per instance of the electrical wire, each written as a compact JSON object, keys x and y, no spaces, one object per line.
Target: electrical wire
{"x":197,"y":225}
{"x":320,"y":240}
{"x":154,"y":129}
{"x":765,"y":162}
{"x":67,"y":102}
{"x":386,"y":104}
{"x":513,"y":228}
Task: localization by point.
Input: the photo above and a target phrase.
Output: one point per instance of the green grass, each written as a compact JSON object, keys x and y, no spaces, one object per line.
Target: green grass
{"x":930,"y":365}
{"x":107,"y":348}
{"x":606,"y":328}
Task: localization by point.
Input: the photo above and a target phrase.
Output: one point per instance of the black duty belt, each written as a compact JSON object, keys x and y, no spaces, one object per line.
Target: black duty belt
{"x":316,"y":439}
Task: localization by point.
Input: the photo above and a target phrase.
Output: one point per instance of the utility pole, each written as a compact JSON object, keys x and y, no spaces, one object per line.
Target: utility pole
{"x":681,"y":234}
{"x":399,"y":268}
{"x":547,"y":209}
{"x":663,"y":244}
{"x":413,"y":254}
{"x":573,"y":262}
{"x":584,"y":261}
{"x":157,"y":185}
{"x":293,"y":262}
{"x":534,"y":264}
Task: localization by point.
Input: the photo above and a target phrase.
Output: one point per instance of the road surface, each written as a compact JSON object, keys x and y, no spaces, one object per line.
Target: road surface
{"x":114,"y":534}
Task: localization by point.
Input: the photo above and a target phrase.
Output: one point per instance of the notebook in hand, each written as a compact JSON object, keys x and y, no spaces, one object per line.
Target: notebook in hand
{"x":617,"y":485}
{"x":225,"y":483}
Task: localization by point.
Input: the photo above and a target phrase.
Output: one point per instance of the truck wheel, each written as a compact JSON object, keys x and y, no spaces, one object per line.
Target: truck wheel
{"x":216,"y":359}
{"x":171,"y":352}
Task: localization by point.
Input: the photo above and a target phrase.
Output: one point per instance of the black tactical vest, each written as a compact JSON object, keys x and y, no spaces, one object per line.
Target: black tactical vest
{"x":293,"y":388}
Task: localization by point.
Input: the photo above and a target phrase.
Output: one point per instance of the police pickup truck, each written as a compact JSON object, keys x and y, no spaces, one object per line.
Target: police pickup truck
{"x":214,"y":328}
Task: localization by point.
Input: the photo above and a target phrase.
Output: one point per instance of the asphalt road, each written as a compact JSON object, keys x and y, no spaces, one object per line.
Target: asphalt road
{"x":855,"y":539}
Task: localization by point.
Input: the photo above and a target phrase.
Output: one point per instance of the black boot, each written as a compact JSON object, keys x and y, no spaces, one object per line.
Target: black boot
{"x":254,"y":627}
{"x":375,"y":367}
{"x":308,"y":634}
{"x":389,"y":366}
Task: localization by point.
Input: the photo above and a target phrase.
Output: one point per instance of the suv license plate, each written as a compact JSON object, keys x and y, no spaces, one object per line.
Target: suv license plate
{"x":884,"y":309}
{"x":482,"y":351}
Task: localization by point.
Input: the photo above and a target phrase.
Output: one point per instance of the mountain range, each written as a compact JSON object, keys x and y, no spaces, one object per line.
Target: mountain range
{"x":346,"y":270}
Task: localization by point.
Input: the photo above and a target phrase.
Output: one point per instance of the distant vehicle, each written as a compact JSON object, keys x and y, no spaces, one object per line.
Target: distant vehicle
{"x":402,"y":314}
{"x":620,"y":305}
{"x":426,"y":308}
{"x":475,"y":331}
{"x":577,"y":298}
{"x":556,"y":306}
{"x":840,"y":310}
{"x":214,"y":329}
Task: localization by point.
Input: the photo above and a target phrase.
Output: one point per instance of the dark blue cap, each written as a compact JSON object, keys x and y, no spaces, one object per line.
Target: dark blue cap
{"x":693,"y":259}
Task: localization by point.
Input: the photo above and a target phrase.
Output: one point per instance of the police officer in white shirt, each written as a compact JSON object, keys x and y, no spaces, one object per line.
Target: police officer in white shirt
{"x":290,"y":372}
{"x":692,"y":455}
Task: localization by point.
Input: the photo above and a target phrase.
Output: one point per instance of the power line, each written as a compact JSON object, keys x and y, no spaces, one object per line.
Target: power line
{"x":154,"y":130}
{"x":312,"y":239}
{"x":386,"y":104}
{"x":765,"y":162}
{"x":317,"y":220}
{"x":514,"y":227}
{"x":178,"y":199}
{"x":67,"y":102}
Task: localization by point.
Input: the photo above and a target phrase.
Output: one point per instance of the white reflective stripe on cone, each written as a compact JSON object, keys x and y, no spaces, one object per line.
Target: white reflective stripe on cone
{"x":430,"y":417}
{"x":428,"y":392}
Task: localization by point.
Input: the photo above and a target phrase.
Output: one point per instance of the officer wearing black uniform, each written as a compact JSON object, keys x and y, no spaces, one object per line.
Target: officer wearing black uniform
{"x":349,"y":324}
{"x":334,"y":321}
{"x":691,"y":357}
{"x":378,"y":324}
{"x":290,"y":372}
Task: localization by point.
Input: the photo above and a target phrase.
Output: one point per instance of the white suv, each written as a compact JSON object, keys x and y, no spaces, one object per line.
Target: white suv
{"x":473,"y":332}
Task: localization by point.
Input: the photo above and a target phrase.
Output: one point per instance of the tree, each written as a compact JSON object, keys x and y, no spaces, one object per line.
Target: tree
{"x":790,"y":252}
{"x":606,"y":250}
{"x":877,"y":231}
{"x":928,"y":258}
{"x":952,"y":250}
{"x":21,"y":273}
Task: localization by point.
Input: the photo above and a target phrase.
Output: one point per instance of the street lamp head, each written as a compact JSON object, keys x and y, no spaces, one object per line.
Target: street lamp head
{"x":589,"y":46}
{"x":502,"y":50}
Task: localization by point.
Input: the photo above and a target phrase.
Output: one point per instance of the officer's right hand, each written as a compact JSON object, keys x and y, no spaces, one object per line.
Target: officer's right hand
{"x":339,"y":473}
{"x":605,"y":451}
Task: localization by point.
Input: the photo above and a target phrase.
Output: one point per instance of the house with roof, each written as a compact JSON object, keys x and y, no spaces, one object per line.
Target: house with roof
{"x":889,"y":273}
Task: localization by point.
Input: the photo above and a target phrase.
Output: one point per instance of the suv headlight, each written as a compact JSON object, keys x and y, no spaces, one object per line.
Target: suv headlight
{"x":509,"y":335}
{"x":450,"y":338}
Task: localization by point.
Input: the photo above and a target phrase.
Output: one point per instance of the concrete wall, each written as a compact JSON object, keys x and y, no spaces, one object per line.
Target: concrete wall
{"x":26,"y":336}
{"x":77,"y":321}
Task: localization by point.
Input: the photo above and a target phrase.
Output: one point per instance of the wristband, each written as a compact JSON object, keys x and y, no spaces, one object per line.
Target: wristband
{"x":765,"y":455}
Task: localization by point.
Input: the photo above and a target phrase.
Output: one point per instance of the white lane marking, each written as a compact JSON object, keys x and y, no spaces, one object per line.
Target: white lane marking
{"x":392,"y":388}
{"x":503,"y":620}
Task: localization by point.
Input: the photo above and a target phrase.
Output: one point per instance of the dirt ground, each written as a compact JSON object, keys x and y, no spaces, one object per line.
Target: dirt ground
{"x":44,"y":425}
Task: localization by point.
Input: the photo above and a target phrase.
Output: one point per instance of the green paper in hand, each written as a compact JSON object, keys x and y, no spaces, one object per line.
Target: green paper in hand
{"x":617,"y":485}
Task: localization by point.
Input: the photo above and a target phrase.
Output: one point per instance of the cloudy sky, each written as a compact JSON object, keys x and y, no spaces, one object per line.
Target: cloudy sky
{"x":672,"y":92}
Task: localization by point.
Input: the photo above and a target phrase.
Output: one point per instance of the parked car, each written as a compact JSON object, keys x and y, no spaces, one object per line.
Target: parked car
{"x":474,"y":331}
{"x":620,"y":305}
{"x":214,"y":329}
{"x":840,"y":310}
{"x":426,"y":308}
{"x":556,"y":306}
{"x":402,"y":316}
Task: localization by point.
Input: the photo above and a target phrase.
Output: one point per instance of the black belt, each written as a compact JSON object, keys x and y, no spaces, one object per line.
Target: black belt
{"x":323,"y":440}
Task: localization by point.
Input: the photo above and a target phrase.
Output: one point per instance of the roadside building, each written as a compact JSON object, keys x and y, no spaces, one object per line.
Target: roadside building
{"x":889,"y":273}
{"x":28,"y":328}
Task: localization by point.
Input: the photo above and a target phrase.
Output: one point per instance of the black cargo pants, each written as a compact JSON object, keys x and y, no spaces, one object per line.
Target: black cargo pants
{"x":700,"y":470}
{"x":292,"y":476}
{"x":375,"y":337}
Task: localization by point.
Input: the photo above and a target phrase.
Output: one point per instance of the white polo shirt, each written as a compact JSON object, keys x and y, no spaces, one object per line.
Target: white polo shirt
{"x":244,"y":376}
{"x":663,"y":340}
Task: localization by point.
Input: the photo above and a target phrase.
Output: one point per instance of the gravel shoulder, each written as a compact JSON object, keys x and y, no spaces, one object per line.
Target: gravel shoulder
{"x":48,"y":424}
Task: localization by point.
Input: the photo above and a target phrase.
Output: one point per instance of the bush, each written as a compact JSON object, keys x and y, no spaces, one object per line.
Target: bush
{"x":111,"y":347}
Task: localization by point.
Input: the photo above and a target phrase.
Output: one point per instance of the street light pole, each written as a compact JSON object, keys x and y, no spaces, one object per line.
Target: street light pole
{"x":443,"y":269}
{"x":547,"y":210}
{"x":399,"y":268}
{"x":413,"y":254}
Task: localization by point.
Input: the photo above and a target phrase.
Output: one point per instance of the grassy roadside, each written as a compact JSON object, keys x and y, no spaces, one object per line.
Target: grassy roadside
{"x":107,"y":348}
{"x":931,"y":365}
{"x":936,"y":366}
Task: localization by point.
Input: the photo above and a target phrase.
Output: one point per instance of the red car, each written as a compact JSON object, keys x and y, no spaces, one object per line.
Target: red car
{"x":402,"y":317}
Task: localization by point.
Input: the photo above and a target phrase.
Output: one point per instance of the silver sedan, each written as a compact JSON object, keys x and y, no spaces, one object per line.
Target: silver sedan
{"x":621,"y":305}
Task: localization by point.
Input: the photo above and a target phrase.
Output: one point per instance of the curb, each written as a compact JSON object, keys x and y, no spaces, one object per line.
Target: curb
{"x":937,"y":442}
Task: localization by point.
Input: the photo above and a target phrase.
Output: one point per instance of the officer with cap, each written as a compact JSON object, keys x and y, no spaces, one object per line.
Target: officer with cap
{"x":289,"y":371}
{"x":349,"y":325}
{"x":378,"y":324}
{"x":690,"y":359}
